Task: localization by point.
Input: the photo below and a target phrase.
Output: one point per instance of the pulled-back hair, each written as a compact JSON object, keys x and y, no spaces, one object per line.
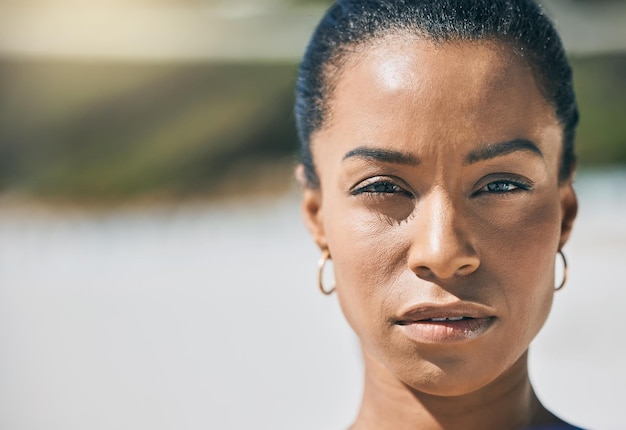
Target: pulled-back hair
{"x":348,"y":24}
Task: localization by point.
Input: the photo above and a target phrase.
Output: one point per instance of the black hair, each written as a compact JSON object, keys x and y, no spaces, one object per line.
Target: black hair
{"x":351,"y":23}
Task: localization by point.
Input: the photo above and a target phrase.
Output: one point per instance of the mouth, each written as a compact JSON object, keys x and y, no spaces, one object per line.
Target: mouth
{"x":435,"y":320}
{"x":448,"y":323}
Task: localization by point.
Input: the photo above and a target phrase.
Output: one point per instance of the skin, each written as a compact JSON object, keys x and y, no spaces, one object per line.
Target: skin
{"x":438,"y":219}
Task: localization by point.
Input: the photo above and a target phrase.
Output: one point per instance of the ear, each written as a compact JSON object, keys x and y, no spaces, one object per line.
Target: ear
{"x":569,"y":209}
{"x":311,"y":208}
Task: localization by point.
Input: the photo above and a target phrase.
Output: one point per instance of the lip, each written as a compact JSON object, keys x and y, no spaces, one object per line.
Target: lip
{"x":445,"y":323}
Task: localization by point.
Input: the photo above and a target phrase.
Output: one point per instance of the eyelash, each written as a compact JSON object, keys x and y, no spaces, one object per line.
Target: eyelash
{"x":517,"y":184}
{"x":374,"y":189}
{"x":385,"y":187}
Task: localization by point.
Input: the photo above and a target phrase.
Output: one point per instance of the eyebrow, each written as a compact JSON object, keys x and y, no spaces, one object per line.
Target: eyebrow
{"x":383,"y":155}
{"x":503,"y":148}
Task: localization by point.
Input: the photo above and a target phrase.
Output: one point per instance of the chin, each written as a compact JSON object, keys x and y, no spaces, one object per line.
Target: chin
{"x":437,"y":382}
{"x":454,"y":374}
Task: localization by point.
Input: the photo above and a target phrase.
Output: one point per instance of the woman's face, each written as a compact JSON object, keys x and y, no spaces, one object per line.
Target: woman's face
{"x":441,"y":207}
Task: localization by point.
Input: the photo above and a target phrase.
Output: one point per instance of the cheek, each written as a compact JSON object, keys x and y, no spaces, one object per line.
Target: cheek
{"x":522,"y":253}
{"x":368,"y":255}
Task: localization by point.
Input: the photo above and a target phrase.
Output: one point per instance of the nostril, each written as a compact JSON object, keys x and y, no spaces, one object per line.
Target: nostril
{"x":466,"y":269}
{"x":432,"y":274}
{"x":425,"y":273}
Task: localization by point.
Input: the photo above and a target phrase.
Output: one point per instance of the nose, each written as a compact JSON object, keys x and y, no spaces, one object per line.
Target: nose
{"x":442,"y":245}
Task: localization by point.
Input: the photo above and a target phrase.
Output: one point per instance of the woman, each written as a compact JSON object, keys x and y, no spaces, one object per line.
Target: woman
{"x":437,"y":161}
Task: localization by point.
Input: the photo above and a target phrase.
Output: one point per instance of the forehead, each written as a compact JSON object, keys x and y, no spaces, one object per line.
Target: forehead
{"x":407,"y":78}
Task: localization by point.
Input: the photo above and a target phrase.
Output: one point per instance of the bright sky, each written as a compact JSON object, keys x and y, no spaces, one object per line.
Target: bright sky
{"x":172,"y":30}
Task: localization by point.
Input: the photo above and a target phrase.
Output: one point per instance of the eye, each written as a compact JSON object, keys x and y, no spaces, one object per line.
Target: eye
{"x":379,"y":186}
{"x":505,"y":186}
{"x":388,"y":200}
{"x":500,"y":187}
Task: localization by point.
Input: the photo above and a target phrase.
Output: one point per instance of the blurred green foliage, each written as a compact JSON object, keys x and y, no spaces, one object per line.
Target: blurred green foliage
{"x":601,"y":91}
{"x":99,"y":131}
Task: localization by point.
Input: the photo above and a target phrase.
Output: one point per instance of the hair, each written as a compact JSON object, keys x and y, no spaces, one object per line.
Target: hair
{"x":348,"y":24}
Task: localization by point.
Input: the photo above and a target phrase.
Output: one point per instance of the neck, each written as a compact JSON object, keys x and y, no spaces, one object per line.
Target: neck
{"x":506,"y":403}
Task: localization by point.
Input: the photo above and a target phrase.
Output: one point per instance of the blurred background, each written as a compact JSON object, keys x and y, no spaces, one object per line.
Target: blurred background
{"x":154,"y":272}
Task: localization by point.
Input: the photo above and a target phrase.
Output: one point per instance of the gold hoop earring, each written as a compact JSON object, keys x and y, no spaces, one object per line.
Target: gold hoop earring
{"x":320,"y":271}
{"x":564,"y":271}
